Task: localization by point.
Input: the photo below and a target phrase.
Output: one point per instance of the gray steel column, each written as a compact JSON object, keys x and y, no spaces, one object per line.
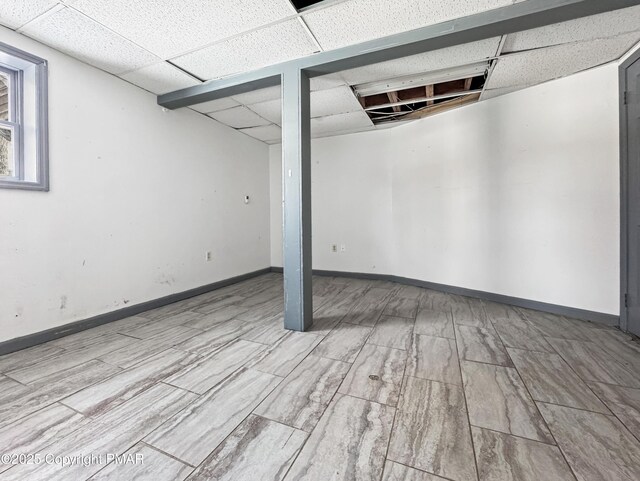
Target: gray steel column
{"x":296,"y":171}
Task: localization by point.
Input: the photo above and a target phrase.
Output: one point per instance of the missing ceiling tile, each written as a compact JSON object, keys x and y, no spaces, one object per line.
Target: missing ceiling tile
{"x":302,"y":4}
{"x":421,"y":101}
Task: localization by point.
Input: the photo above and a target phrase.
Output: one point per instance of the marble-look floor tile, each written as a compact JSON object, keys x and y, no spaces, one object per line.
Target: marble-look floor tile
{"x":343,"y":343}
{"x":161,"y":330}
{"x":68,"y":359}
{"x":410,"y":292}
{"x":349,"y":443}
{"x":35,"y":432}
{"x":195,"y":432}
{"x":376,"y":375}
{"x":597,"y":447}
{"x":395,"y":332}
{"x":268,"y":331}
{"x":431,"y":431}
{"x":28,"y":357}
{"x":592,"y":363}
{"x":512,"y":410}
{"x":550,"y":379}
{"x":218,"y":303}
{"x":264,"y":297}
{"x":114,"y":432}
{"x":327,"y":316}
{"x":400,"y":472}
{"x":624,"y":402}
{"x":369,"y":308}
{"x":401,"y":307}
{"x":625,"y":351}
{"x":258,"y":449}
{"x":521,"y":334}
{"x":266,"y":310}
{"x":302,"y":397}
{"x":502,"y":457}
{"x":551,"y":325}
{"x":207,"y":321}
{"x":481,"y":345}
{"x":213,"y":339}
{"x":150,"y":465}
{"x":435,"y":323}
{"x":132,"y":354}
{"x":467,"y":311}
{"x":89,"y":337}
{"x":207,"y":371}
{"x":435,"y":300}
{"x":100,"y":397}
{"x":501,"y":313}
{"x":434,"y":358}
{"x":21,"y":402}
{"x":10,"y":389}
{"x":282,"y":357}
{"x":325,"y":288}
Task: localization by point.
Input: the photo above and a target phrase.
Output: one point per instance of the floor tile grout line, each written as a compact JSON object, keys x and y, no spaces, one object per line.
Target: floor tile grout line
{"x":586,"y":383}
{"x":420,"y":470}
{"x":155,"y":448}
{"x":543,"y":419}
{"x":466,"y":404}
{"x":395,"y":414}
{"x":329,"y":403}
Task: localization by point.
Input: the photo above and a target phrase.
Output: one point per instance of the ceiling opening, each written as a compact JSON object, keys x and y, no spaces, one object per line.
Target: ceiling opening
{"x":300,"y":4}
{"x":417,"y":96}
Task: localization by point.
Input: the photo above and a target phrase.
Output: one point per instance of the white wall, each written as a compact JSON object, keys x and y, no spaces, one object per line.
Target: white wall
{"x":517,"y":195}
{"x":137,"y":197}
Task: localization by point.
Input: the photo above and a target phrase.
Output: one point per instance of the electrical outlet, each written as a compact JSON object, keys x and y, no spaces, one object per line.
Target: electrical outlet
{"x":343,"y":248}
{"x":208,"y":256}
{"x":334,"y":247}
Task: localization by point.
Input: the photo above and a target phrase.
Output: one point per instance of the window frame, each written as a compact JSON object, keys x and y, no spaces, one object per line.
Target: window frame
{"x":16,"y":118}
{"x":14,"y":123}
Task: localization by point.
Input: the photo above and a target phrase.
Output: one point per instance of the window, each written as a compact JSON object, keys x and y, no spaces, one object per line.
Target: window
{"x":23,"y":120}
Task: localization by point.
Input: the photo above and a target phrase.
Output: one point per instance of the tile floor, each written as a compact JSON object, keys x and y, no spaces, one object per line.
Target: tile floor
{"x":392,"y":383}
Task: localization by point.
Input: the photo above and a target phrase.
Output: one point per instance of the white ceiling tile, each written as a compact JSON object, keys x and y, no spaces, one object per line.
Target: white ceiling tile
{"x":260,"y":95}
{"x":334,"y":124}
{"x":160,"y":78}
{"x":169,"y":27}
{"x":270,"y":45}
{"x":333,"y":101}
{"x":588,"y":28}
{"x":270,"y":110}
{"x":15,"y":13}
{"x":357,"y":21}
{"x":239,"y":118}
{"x":75,"y":34}
{"x":215,"y":105}
{"x":537,"y":66}
{"x":424,"y":62}
{"x":323,"y":103}
{"x":326,"y":82}
{"x":266,"y":133}
{"x":492,"y":93}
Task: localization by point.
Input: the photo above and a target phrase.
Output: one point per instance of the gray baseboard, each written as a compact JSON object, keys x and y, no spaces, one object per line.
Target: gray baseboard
{"x":31,"y":340}
{"x":592,"y":316}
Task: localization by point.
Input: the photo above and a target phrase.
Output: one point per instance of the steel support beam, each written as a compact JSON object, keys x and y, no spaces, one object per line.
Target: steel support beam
{"x":500,"y":21}
{"x":296,"y":174}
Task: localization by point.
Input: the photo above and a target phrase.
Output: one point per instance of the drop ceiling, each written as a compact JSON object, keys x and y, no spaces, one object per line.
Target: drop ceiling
{"x":164,"y":45}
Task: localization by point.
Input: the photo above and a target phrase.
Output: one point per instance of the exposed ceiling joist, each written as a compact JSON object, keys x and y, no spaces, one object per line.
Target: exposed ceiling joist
{"x":513,"y":18}
{"x":429,"y":100}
